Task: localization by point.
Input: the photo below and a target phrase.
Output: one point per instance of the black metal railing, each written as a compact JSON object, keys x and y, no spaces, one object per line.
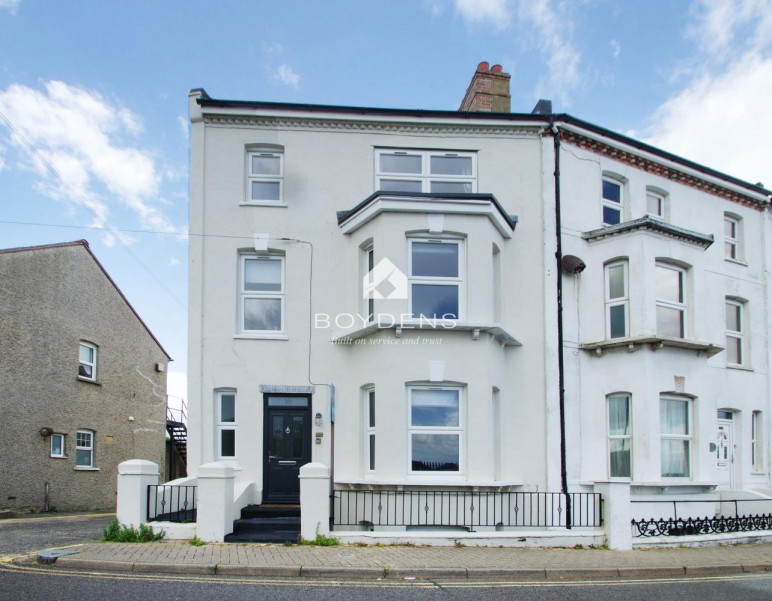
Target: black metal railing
{"x":168,"y":503}
{"x":177,"y":414}
{"x":464,"y":509}
{"x":726,"y":518}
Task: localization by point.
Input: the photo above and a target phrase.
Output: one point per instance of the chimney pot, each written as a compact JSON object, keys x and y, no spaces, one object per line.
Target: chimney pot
{"x":483,"y":66}
{"x":496,"y":68}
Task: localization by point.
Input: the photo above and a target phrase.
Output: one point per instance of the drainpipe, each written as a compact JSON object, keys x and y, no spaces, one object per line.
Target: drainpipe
{"x":561,"y":375}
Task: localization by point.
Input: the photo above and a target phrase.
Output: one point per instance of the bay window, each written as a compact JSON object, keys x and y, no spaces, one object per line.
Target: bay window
{"x":675,"y":437}
{"x":617,"y":300}
{"x":619,"y":436}
{"x":671,"y":300}
{"x":435,"y":274}
{"x":735,"y":333}
{"x":435,"y":429}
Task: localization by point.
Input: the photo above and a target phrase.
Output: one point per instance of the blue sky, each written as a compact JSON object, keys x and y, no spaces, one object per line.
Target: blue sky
{"x":99,"y":91}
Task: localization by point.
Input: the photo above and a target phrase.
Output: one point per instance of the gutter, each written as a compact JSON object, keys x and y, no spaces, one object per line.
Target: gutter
{"x":561,"y":370}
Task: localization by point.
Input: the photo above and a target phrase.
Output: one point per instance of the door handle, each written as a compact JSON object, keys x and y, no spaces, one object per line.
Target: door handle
{"x":271,"y":456}
{"x":288,"y":462}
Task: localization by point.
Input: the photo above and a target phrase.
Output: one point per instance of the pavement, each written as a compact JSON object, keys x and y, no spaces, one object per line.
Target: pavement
{"x":408,"y":562}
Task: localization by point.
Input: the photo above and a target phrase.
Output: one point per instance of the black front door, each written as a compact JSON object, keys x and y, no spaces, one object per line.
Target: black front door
{"x":287,"y":446}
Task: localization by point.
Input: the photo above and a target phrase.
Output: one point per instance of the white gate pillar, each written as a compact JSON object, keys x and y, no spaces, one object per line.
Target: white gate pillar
{"x":314,"y":500}
{"x":134,"y":476}
{"x":214,"y":518}
{"x":616,"y":514}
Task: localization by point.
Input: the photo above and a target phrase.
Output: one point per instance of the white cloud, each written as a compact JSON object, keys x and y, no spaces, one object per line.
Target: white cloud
{"x":722,"y":120}
{"x":82,"y":136}
{"x":496,"y":12}
{"x":547,"y":26}
{"x":720,"y":26}
{"x":721,"y":116}
{"x":184,"y":126}
{"x":12,"y":6}
{"x":435,"y":7}
{"x":287,"y":76}
{"x":616,"y":47}
{"x":553,"y":32}
{"x":174,"y":262}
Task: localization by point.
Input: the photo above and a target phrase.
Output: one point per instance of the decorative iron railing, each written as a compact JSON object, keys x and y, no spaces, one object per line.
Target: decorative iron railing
{"x":684,"y":525}
{"x":465,"y":509}
{"x":169,"y":503}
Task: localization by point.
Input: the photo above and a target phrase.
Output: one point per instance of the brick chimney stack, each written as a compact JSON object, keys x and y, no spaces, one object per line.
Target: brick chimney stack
{"x":488,"y":92}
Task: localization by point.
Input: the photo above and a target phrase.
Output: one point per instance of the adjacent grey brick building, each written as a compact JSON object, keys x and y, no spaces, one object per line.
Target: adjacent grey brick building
{"x":82,"y":380}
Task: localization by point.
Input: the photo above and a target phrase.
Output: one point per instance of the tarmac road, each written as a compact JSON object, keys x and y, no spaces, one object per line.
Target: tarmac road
{"x":36,"y":583}
{"x":34,"y":533}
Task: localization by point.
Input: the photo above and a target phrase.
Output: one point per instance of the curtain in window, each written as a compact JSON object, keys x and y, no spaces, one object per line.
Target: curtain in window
{"x":674,"y":421}
{"x":619,"y":425}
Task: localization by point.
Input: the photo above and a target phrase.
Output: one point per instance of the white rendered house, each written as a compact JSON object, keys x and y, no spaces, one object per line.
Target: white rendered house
{"x":377,"y":291}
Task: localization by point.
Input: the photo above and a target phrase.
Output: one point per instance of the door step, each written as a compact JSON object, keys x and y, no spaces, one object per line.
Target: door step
{"x":266,"y":524}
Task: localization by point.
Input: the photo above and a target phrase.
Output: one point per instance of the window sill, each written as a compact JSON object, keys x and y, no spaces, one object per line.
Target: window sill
{"x":87,"y":381}
{"x":80,"y":468}
{"x":261,"y":337}
{"x":676,"y":483}
{"x":736,"y":262}
{"x":58,"y":457}
{"x":634,"y":343}
{"x":420,"y":480}
{"x":739,"y":367}
{"x":263,"y":204}
{"x":494,"y":329}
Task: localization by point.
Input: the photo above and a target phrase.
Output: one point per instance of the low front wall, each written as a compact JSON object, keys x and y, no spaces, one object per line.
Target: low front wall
{"x":174,"y":531}
{"x":439,"y":538}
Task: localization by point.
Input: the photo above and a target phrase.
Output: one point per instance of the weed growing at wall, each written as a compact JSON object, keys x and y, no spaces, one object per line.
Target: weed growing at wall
{"x":118,"y":533}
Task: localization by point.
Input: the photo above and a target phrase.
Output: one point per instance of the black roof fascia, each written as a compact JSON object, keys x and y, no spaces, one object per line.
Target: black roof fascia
{"x":510,"y":219}
{"x":361,"y":110}
{"x":557,"y":118}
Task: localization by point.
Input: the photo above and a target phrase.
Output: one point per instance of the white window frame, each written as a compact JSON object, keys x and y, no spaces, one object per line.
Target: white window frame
{"x":81,"y":447}
{"x":661,"y":199}
{"x":62,"y":437}
{"x":221,"y":426}
{"x":616,"y":206}
{"x":245,"y":294}
{"x":458,"y":282}
{"x":452,"y":430}
{"x":611,"y":437}
{"x":368,"y":264}
{"x":688,"y":437}
{"x":733,"y":248}
{"x":370,"y":415}
{"x":259,"y":177}
{"x":425,"y":177}
{"x":757,"y":437}
{"x":92,"y":364}
{"x":623,"y":301}
{"x":682,"y":306}
{"x":738,"y":335}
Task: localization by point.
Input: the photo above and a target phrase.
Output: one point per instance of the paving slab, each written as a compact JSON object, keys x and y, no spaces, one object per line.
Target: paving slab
{"x":400,"y":562}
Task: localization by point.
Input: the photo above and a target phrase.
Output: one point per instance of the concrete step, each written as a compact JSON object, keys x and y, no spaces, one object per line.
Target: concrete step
{"x":270,"y":511}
